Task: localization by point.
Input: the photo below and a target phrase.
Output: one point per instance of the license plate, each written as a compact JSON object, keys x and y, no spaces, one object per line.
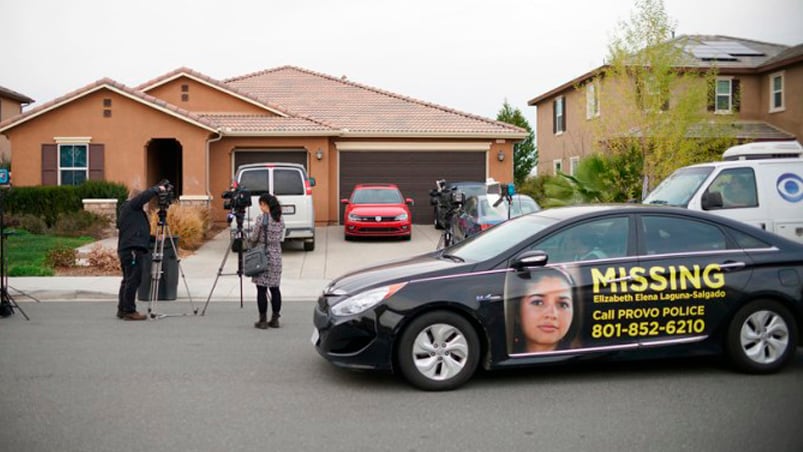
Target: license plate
{"x":289,"y":209}
{"x":315,"y":336}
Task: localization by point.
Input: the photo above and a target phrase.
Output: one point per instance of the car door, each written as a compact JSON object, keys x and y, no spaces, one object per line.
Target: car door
{"x":690,"y":272}
{"x":537,"y":299}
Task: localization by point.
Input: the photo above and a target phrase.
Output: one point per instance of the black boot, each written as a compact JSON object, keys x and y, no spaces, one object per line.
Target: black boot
{"x":262,"y":324}
{"x":274,"y":320}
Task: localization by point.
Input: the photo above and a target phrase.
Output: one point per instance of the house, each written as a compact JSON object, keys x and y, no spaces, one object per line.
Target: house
{"x":195,"y":131}
{"x":11,"y":103}
{"x":759,"y":88}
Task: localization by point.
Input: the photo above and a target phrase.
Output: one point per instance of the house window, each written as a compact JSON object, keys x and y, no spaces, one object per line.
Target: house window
{"x":776,"y":92}
{"x":73,"y":163}
{"x":557,"y":166}
{"x":559,"y":115}
{"x":592,"y":101}
{"x":724,"y":95}
{"x":573,"y":163}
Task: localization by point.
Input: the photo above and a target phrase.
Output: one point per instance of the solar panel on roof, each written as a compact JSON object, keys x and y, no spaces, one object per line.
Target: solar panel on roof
{"x":705,"y":52}
{"x":733,"y":48}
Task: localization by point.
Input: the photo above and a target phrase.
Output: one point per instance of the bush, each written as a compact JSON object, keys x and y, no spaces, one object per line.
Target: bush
{"x":80,"y":223}
{"x":189,"y":223}
{"x":28,"y":222}
{"x":61,"y":256}
{"x":46,"y":202}
{"x":99,"y":189}
{"x":104,"y":259}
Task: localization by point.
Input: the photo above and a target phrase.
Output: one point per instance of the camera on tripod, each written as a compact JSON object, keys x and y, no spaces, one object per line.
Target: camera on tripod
{"x":168,"y":196}
{"x":236,"y":199}
{"x":445,"y":198}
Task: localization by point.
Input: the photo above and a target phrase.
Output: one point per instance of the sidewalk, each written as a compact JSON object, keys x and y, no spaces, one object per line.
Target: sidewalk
{"x":304,"y":274}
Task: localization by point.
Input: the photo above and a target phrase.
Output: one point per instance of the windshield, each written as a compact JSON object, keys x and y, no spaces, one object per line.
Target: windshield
{"x":499,"y":238}
{"x":678,"y":188}
{"x":376,"y":196}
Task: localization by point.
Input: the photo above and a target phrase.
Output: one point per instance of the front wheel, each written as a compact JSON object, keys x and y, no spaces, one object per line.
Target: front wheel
{"x":762,"y":337}
{"x":439,"y":351}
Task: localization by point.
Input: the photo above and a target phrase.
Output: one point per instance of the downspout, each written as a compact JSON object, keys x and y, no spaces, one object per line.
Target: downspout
{"x":208,"y":143}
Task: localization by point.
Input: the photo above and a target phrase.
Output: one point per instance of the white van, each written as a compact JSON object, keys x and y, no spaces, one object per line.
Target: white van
{"x":767,"y":193}
{"x":290,"y":184}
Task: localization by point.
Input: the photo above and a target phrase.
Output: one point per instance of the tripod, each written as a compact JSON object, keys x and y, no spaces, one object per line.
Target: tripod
{"x":157,"y":259}
{"x":237,"y":243}
{"x":7,"y":302}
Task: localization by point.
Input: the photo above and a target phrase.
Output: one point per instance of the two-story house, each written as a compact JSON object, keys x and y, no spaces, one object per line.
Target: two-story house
{"x":11,"y":103}
{"x":758,"y":90}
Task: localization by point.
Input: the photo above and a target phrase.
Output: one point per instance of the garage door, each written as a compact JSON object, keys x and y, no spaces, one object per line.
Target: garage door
{"x":414,"y":172}
{"x":245,"y":156}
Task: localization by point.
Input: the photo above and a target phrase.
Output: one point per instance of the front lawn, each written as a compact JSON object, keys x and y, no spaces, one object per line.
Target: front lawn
{"x":26,"y":253}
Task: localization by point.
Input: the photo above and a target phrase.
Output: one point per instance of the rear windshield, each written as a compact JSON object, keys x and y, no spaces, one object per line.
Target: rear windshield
{"x":255,"y":181}
{"x":287,"y":182}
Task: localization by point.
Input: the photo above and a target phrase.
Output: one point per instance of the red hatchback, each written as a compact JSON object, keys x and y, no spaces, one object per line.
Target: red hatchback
{"x":377,"y":210}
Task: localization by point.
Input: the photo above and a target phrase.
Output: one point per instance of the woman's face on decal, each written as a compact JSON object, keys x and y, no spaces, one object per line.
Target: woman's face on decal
{"x":546,"y":313}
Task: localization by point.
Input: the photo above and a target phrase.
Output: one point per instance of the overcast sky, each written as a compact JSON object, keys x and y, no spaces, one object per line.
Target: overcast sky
{"x":470,"y":55}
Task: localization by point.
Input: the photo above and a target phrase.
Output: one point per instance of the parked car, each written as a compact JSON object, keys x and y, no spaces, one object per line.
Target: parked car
{"x":290,"y":184}
{"x":377,"y":210}
{"x":476,"y":215}
{"x":442,"y":198}
{"x":646,"y":282}
{"x":519,"y":205}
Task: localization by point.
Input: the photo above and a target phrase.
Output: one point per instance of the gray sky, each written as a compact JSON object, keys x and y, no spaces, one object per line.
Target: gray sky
{"x":470,"y":55}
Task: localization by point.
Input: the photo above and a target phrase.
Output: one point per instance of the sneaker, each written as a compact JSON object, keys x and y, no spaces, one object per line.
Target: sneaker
{"x":134,"y":316}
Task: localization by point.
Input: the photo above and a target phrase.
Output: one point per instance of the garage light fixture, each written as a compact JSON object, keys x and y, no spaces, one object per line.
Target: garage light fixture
{"x":500,"y":156}
{"x":319,"y":154}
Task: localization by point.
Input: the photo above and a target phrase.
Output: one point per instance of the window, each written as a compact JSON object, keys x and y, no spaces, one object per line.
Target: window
{"x":598,"y":239}
{"x":288,"y":182}
{"x":737,"y":187}
{"x":557,"y":166}
{"x":776,"y":92}
{"x":559,"y":115}
{"x":592,"y":101}
{"x":573,"y":163}
{"x":664,"y":234}
{"x":724,"y":96}
{"x":73,"y":164}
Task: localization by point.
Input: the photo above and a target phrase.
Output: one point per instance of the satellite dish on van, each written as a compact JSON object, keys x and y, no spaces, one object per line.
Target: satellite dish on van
{"x":764,"y":150}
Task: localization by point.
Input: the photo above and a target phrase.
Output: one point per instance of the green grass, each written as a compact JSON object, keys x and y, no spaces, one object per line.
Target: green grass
{"x":26,"y":252}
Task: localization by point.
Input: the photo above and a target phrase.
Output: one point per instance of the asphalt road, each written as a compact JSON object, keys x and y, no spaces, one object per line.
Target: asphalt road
{"x":75,"y":378}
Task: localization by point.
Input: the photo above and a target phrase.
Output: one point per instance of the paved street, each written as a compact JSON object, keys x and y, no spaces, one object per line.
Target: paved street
{"x":75,"y":378}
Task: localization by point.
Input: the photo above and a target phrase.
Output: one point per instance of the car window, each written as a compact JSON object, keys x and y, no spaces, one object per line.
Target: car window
{"x":747,"y":241}
{"x":663,"y":234}
{"x":255,"y":181}
{"x":598,"y":239}
{"x":377,"y":196}
{"x":737,"y":187}
{"x":287,"y":182}
{"x":500,"y":238}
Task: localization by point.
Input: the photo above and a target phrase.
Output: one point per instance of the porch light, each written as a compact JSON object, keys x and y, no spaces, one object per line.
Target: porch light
{"x":500,"y":156}
{"x":319,"y":154}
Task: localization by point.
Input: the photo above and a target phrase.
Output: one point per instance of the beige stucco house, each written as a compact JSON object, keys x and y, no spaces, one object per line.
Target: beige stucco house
{"x":11,"y":104}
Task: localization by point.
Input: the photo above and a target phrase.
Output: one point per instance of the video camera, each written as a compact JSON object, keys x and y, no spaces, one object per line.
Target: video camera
{"x":450,"y":199}
{"x":168,"y":196}
{"x":236,"y":199}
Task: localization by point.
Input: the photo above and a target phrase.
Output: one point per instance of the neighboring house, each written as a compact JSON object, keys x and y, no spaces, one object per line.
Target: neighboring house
{"x":11,"y":103}
{"x":759,"y":85}
{"x":196,"y":131}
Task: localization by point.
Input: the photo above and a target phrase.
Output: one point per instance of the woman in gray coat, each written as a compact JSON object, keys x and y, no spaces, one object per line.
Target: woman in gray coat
{"x":268,"y":232}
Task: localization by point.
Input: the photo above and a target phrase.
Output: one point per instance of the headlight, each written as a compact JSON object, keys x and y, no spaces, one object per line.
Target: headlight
{"x":365,"y":300}
{"x":401,"y":217}
{"x":354,"y":217}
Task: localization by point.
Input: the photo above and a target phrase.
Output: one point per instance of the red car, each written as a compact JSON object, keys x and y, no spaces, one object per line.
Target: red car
{"x":377,"y":210}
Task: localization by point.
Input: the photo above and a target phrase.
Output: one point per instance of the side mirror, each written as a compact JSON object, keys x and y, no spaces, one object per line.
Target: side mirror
{"x":530,"y":259}
{"x":711,"y":200}
{"x":409,"y":202}
{"x":344,"y":201}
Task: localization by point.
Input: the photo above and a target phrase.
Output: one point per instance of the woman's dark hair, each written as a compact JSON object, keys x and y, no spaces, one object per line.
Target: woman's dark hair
{"x":513,"y":307}
{"x":273,"y":205}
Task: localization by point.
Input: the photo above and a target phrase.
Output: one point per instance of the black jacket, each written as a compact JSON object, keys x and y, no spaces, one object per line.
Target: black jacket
{"x":135,"y":229}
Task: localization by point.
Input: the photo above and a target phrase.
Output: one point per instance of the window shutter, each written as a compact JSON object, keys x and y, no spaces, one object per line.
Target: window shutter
{"x":554,"y":116}
{"x":96,"y":161}
{"x":565,"y":115}
{"x":50,"y":164}
{"x":712,"y":96}
{"x":737,"y":95}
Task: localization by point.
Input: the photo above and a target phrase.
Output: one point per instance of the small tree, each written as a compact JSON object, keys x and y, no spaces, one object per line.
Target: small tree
{"x":525,"y":156}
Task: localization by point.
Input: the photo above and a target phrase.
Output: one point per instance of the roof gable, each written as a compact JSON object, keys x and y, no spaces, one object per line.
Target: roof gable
{"x":15,"y":96}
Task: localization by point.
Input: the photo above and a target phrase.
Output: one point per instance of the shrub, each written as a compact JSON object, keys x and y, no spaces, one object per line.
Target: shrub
{"x":104,"y":259}
{"x":80,"y":223}
{"x":100,"y":189}
{"x":61,"y":256}
{"x":31,"y":223}
{"x":46,"y":202}
{"x":189,"y":223}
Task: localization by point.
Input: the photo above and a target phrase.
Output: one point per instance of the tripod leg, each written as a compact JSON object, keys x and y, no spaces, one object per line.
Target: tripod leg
{"x":156,"y":271}
{"x":219,"y":272}
{"x":24,"y":294}
{"x":181,"y":271}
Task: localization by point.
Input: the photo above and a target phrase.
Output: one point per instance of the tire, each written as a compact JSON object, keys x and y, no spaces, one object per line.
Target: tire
{"x":762,"y":337}
{"x":438,"y":351}
{"x":309,"y":245}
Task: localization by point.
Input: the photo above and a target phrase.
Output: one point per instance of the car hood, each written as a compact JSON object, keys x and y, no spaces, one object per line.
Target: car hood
{"x":418,"y":267}
{"x":385,"y":210}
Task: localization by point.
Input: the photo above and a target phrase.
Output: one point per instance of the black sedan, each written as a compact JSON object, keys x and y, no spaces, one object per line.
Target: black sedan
{"x":604,"y":281}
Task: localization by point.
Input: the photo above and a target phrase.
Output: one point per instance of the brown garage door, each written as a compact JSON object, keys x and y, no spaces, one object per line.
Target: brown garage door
{"x":414,"y":172}
{"x":246,"y":156}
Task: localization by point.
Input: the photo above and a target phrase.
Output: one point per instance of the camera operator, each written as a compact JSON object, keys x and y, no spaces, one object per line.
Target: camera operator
{"x":132,"y":245}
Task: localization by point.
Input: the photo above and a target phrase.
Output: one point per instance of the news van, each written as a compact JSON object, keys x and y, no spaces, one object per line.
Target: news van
{"x":760,"y":184}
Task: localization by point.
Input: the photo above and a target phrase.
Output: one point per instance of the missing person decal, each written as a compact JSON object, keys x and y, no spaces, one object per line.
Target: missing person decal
{"x":542,"y":311}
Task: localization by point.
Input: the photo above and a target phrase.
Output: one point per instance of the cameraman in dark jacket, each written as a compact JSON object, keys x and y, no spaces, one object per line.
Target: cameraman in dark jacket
{"x":132,"y":245}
